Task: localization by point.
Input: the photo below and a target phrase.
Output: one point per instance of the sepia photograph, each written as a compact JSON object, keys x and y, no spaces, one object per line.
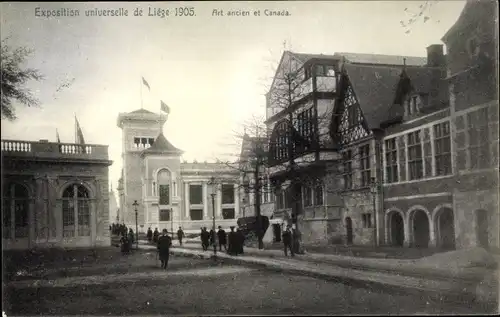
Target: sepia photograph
{"x":250,"y":158}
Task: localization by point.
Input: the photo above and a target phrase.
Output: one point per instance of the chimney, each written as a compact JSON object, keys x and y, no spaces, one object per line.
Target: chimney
{"x":435,"y":56}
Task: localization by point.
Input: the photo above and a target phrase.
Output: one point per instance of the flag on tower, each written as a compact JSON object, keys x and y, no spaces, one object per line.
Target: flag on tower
{"x":164,"y":107}
{"x":146,"y":83}
{"x":57,"y":136}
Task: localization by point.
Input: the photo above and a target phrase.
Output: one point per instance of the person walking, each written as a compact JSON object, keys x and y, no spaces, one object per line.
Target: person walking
{"x":287,"y":241}
{"x":240,"y":240}
{"x":205,"y":237}
{"x":212,"y":237}
{"x":221,"y":235}
{"x":156,"y":235}
{"x":232,"y":241}
{"x":131,"y":237}
{"x":164,"y":244}
{"x":180,"y":235}
{"x":149,"y":235}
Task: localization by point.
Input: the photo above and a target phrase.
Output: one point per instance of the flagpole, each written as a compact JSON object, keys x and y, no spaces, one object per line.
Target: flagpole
{"x":141,"y":92}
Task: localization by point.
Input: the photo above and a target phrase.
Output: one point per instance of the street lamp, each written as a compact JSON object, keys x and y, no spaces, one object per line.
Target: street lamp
{"x":135,"y":204}
{"x":374,"y":190}
{"x":213,"y":193}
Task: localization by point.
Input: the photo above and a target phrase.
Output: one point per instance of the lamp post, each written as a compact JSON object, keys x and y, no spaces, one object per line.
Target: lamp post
{"x":374,"y":191}
{"x":212,"y":194}
{"x":135,"y":204}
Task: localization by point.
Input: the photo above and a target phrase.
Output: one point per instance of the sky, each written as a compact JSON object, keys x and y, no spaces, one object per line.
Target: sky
{"x":212,"y":71}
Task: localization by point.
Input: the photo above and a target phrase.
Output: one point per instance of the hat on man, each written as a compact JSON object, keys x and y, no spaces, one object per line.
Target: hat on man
{"x":164,"y":231}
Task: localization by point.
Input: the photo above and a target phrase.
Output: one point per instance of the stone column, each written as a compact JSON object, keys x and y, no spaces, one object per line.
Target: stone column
{"x":205,"y":200}
{"x":236,"y":201}
{"x":186,"y":199}
{"x":218,"y":205}
{"x":432,"y":233}
{"x":407,"y":238}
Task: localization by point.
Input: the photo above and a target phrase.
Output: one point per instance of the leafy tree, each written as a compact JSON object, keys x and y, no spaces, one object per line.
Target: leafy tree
{"x":14,"y":78}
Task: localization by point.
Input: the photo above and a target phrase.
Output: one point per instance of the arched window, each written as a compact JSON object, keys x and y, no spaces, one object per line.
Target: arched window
{"x":76,"y":211}
{"x":164,"y":179}
{"x":15,"y":210}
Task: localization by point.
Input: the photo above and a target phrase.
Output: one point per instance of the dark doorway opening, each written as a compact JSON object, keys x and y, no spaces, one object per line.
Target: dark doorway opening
{"x":420,"y":229}
{"x":482,"y":228}
{"x":277,"y":232}
{"x":397,"y":230}
{"x":446,"y":229}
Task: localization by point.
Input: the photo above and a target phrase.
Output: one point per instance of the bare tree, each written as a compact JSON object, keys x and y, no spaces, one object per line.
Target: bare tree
{"x":14,"y":77}
{"x":422,"y":13}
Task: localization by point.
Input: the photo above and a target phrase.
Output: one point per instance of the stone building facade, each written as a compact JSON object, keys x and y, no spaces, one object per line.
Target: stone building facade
{"x":54,"y":195}
{"x":168,"y":193}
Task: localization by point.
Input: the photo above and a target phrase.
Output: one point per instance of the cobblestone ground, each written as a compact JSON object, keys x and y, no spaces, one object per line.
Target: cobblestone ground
{"x":136,"y":286}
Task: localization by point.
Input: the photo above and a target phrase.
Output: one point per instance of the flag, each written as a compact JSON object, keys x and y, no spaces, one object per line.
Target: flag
{"x":57,"y":136}
{"x":164,"y":107}
{"x":145,"y":83}
{"x":79,"y":133}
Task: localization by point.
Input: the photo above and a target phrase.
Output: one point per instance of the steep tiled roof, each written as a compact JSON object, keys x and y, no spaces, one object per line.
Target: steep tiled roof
{"x":304,"y":57}
{"x":375,"y":88}
{"x":380,"y":59}
{"x":162,"y":145}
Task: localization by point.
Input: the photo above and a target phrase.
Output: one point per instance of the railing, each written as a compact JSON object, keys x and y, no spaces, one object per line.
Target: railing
{"x":54,"y":150}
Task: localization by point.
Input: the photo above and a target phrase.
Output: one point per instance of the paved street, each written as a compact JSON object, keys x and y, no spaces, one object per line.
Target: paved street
{"x":195,"y":286}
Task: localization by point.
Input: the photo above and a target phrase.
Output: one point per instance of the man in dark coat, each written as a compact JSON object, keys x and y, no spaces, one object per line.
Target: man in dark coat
{"x":131,"y":237}
{"x":149,"y":235}
{"x":232,"y":241}
{"x":205,"y":238}
{"x":125,"y":244}
{"x":164,"y":244}
{"x":156,"y":234}
{"x":180,"y":235}
{"x":221,"y":235}
{"x":240,"y":238}
{"x":212,"y":237}
{"x":287,"y":240}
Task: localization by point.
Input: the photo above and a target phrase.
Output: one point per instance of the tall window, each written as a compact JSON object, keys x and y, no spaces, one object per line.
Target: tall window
{"x":479,"y":140}
{"x":280,"y":199}
{"x":415,"y":164}
{"x":325,"y":71}
{"x":76,"y":211}
{"x":307,"y":196}
{"x":143,"y":142}
{"x":164,"y":214}
{"x":164,"y":179}
{"x":367,"y":220}
{"x":279,"y":141}
{"x":347,"y":158}
{"x":227,"y":193}
{"x":364,"y":155}
{"x":15,"y":211}
{"x":318,"y":194}
{"x":305,"y":128}
{"x":195,"y":194}
{"x":412,"y":105}
{"x":442,"y":148}
{"x":391,"y":161}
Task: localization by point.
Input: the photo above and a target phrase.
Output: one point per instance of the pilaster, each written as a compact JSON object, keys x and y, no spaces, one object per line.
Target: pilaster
{"x":186,"y":199}
{"x":205,"y":200}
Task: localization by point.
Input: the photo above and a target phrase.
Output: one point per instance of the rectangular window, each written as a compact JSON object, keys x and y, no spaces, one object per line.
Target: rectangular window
{"x":330,"y":71}
{"x":442,"y":148}
{"x":227,"y":193}
{"x":415,"y":162}
{"x":228,"y":213}
{"x":318,"y":195}
{"x":367,"y":220}
{"x":195,"y":194}
{"x":347,"y":169}
{"x":391,"y":161}
{"x":412,"y":105}
{"x":83,"y":218}
{"x":307,"y":196}
{"x":320,"y":70}
{"x":151,"y":141}
{"x":164,"y":214}
{"x":364,"y":155}
{"x":196,"y":214}
{"x":479,"y":139}
{"x":279,"y":200}
{"x":287,"y":198}
{"x":164,"y":194}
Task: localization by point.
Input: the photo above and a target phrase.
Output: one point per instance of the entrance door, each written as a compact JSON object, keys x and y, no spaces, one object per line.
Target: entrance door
{"x":277,"y":232}
{"x":397,"y":230}
{"x":348,"y":227}
{"x":420,"y":229}
{"x":482,"y":228}
{"x":446,"y":229}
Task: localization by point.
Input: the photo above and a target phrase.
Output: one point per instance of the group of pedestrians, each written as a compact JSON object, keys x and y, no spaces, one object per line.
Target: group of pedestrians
{"x":232,"y":242}
{"x":127,"y":237}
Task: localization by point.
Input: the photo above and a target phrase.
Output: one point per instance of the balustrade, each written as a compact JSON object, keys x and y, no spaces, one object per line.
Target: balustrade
{"x":46,"y":149}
